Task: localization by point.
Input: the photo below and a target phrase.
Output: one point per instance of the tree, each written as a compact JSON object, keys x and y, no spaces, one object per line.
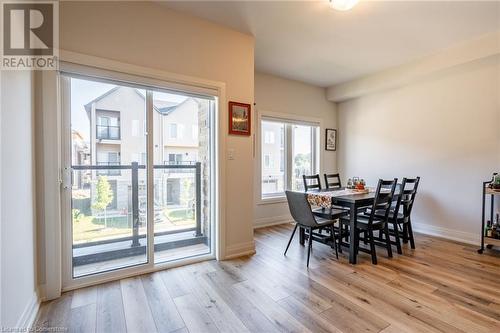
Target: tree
{"x":302,"y":163}
{"x":104,"y":196}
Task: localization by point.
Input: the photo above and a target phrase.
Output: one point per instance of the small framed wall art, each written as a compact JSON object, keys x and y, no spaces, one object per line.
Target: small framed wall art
{"x":239,"y":118}
{"x":331,"y":139}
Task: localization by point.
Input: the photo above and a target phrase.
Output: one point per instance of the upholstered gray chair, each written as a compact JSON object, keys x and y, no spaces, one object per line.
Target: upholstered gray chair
{"x":304,"y":217}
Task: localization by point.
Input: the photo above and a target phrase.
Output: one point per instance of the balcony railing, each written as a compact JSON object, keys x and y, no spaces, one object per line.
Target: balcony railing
{"x":106,"y":132}
{"x":108,"y":172}
{"x":136,"y":246}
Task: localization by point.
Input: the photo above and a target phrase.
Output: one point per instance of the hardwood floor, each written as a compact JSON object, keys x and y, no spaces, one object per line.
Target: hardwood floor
{"x":442,"y":286}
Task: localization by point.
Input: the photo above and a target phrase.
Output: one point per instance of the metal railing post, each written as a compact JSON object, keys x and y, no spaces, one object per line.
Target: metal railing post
{"x":135,"y":204}
{"x":198,"y":199}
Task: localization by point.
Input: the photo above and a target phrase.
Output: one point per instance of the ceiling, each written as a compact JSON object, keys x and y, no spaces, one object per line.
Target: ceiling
{"x":310,"y":42}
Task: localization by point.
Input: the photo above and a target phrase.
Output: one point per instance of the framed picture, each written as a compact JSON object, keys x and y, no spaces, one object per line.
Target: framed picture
{"x":331,"y":139}
{"x":239,"y":118}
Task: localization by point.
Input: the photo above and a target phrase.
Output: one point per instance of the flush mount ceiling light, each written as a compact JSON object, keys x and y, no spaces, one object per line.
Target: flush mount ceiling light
{"x":343,"y":4}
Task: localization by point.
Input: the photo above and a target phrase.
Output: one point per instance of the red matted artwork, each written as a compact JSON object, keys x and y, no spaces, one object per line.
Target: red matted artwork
{"x":239,"y":118}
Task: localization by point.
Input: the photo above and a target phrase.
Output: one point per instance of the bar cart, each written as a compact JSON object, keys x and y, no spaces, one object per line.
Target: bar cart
{"x":488,"y":190}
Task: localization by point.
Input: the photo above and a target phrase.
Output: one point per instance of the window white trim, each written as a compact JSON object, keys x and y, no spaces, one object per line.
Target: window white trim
{"x":101,"y":68}
{"x":288,"y":118}
{"x":53,"y":126}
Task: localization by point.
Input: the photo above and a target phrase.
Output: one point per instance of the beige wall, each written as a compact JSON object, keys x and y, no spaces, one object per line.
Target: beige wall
{"x":278,"y":95}
{"x":443,"y":128}
{"x":149,"y":35}
{"x":17,"y":201}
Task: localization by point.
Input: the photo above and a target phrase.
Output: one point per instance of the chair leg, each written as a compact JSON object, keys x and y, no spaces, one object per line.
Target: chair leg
{"x":387,"y":240}
{"x":356,"y":242}
{"x":410,"y":234}
{"x":372,"y":248}
{"x":309,"y":246}
{"x":341,"y":228}
{"x":405,"y":233}
{"x":291,"y":237}
{"x":334,"y":241}
{"x":396,"y":235}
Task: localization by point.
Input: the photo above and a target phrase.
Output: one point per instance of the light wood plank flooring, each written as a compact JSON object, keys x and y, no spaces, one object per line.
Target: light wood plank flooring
{"x":441,"y":286}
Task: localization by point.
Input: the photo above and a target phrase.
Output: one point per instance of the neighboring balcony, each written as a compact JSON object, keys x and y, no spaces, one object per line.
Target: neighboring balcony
{"x":107,"y":132}
{"x":108,"y":172}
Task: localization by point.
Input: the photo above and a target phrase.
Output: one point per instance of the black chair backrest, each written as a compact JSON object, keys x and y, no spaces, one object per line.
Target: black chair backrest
{"x":311,"y":185}
{"x":408,"y":194}
{"x":300,"y":208}
{"x":383,"y":198}
{"x":333,"y":180}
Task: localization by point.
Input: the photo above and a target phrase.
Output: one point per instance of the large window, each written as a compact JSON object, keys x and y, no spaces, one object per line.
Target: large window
{"x":289,"y":149}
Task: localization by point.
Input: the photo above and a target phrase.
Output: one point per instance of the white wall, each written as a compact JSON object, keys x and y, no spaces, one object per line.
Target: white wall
{"x":150,"y":35}
{"x":17,"y":244}
{"x":278,"y":95}
{"x":443,"y":128}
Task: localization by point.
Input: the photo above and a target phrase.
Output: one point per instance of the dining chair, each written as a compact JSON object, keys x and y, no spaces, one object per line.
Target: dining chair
{"x":332,"y":181}
{"x":376,"y":219}
{"x":402,"y":215}
{"x":311,"y":182}
{"x":300,"y":209}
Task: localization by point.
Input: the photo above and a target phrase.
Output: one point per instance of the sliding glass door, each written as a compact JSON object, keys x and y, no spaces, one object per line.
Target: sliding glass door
{"x":139,"y":167}
{"x":182,"y":182}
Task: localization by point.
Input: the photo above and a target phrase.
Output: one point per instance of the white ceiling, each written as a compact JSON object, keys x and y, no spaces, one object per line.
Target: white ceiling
{"x":310,"y":42}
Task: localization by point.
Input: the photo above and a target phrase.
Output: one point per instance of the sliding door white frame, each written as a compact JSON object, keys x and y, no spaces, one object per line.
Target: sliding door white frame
{"x":57,"y":257}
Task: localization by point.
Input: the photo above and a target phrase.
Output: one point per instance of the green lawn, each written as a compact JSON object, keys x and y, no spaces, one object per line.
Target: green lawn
{"x":89,"y":229}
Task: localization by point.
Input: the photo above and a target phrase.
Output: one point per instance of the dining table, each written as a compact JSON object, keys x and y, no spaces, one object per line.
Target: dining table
{"x":345,"y":198}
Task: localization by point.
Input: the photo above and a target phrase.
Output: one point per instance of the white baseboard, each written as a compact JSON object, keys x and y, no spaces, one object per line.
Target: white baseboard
{"x":29,"y":314}
{"x":269,"y":221}
{"x":427,"y":229}
{"x":451,"y":234}
{"x":240,"y":250}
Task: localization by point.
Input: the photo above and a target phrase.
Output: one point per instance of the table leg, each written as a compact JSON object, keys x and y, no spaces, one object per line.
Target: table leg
{"x":302,"y":235}
{"x":352,"y":234}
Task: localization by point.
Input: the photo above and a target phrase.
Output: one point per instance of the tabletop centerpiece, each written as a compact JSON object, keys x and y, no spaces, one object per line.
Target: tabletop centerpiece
{"x":357,"y":184}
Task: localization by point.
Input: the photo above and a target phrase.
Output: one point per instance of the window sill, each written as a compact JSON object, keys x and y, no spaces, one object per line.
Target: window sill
{"x":271,"y":200}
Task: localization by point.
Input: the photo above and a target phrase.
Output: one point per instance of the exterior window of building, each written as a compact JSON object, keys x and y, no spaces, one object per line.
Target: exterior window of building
{"x":108,"y":128}
{"x":173,"y":131}
{"x":267,"y":161}
{"x":288,"y":151}
{"x":175,"y":158}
